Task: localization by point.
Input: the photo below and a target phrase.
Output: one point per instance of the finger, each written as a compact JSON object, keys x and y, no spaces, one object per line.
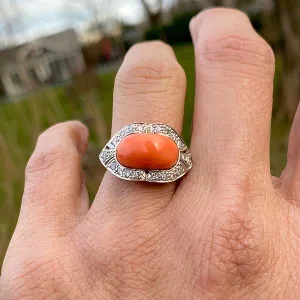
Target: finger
{"x":54,"y":193}
{"x":149,"y":88}
{"x":233,"y":102}
{"x":291,"y":175}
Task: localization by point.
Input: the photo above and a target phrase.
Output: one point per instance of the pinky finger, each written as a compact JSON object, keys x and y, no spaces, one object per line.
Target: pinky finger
{"x":55,"y":194}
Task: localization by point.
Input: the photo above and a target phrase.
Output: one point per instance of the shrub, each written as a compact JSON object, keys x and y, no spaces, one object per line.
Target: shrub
{"x":155,"y":33}
{"x":178,"y":31}
{"x":174,"y":33}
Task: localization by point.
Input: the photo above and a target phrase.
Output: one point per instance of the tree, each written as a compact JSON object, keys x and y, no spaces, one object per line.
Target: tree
{"x":97,"y":10}
{"x":91,"y":7}
{"x":6,"y":16}
{"x":281,"y":28}
{"x":11,"y":18}
{"x":153,"y":11}
{"x":288,"y":12}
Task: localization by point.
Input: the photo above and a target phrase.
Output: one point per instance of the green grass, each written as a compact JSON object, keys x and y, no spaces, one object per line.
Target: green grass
{"x":21,"y":123}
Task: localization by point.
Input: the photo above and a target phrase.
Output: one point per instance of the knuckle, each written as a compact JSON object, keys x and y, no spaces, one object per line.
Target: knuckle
{"x":150,"y":75}
{"x":239,"y":253}
{"x":43,"y":160}
{"x":42,"y":267}
{"x":232,"y":45}
{"x":238,"y":239}
{"x":134,"y":260}
{"x":253,"y":53}
{"x":38,"y":162}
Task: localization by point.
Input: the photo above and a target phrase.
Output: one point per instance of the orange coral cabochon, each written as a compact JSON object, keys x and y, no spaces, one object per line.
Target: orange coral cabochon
{"x":147,"y":151}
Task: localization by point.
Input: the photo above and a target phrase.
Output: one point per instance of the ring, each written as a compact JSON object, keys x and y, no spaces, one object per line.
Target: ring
{"x":147,"y":152}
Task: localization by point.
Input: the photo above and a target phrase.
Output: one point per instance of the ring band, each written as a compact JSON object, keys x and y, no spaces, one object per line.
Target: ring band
{"x":147,"y":152}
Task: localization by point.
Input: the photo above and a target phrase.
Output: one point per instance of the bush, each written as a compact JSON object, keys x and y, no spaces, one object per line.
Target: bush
{"x":178,"y":31}
{"x":256,"y":20}
{"x":174,"y":33}
{"x":155,"y":33}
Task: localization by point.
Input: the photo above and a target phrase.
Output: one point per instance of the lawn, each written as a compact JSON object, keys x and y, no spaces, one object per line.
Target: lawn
{"x":90,"y":100}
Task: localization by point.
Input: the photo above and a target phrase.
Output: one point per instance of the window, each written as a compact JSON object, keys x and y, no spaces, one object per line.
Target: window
{"x":33,"y":75}
{"x":56,"y":75}
{"x":71,"y":63}
{"x":43,"y":71}
{"x":75,"y":64}
{"x":16,"y":79}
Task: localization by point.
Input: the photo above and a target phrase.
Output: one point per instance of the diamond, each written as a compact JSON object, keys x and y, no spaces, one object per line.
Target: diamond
{"x":186,"y":158}
{"x":107,"y":154}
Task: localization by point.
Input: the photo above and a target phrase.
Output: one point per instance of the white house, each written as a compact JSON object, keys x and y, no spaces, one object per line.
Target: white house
{"x":47,"y":60}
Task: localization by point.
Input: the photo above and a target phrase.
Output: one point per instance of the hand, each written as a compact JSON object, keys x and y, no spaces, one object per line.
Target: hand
{"x":228,"y":230}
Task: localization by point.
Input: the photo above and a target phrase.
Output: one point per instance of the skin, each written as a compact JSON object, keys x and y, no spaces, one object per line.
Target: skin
{"x":227,"y":230}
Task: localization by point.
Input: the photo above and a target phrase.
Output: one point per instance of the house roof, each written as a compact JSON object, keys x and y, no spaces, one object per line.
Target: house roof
{"x":62,"y":42}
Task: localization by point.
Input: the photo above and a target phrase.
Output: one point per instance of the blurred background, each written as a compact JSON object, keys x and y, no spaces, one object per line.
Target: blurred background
{"x":58,"y":60}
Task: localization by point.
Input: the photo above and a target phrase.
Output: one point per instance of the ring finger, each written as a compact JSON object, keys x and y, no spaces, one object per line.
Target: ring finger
{"x":149,"y":88}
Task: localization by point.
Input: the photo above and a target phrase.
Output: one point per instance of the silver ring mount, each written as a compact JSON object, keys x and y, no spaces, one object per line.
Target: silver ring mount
{"x":108,"y":156}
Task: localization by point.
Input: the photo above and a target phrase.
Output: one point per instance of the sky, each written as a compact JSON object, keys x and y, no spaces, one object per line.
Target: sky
{"x":34,"y":18}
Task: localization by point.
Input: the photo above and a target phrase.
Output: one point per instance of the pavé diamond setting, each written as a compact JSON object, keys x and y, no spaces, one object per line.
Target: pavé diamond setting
{"x":108,"y":155}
